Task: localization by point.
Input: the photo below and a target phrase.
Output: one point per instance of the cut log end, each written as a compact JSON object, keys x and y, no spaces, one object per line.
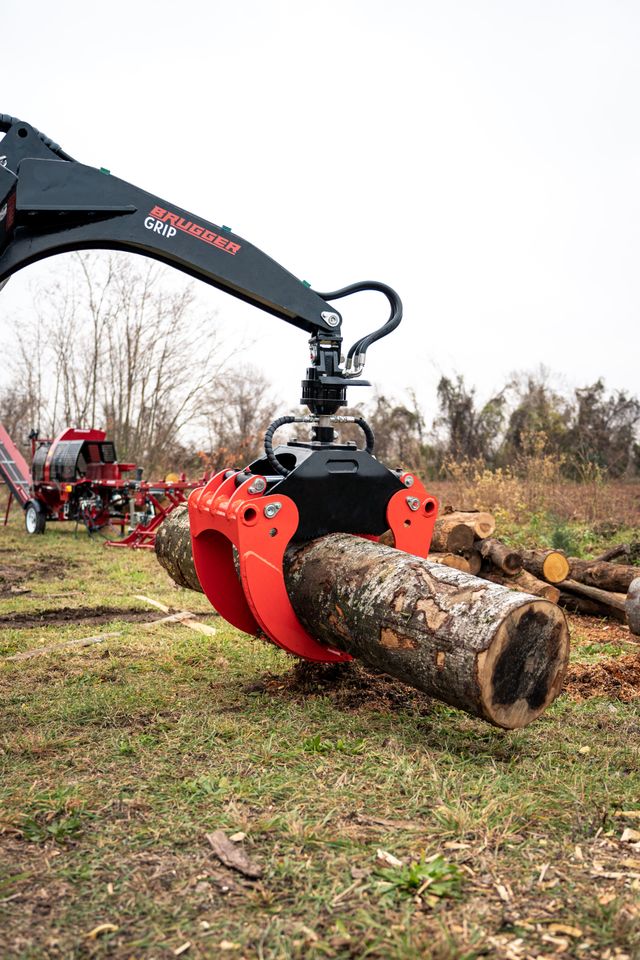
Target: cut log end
{"x":556,"y":567}
{"x":521,"y":673}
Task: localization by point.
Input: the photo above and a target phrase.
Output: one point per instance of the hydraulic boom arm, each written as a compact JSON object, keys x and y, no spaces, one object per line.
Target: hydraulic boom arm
{"x":50,"y":203}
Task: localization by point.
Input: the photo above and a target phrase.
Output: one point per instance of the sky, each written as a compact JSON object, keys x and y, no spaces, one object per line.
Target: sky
{"x":480,"y":156}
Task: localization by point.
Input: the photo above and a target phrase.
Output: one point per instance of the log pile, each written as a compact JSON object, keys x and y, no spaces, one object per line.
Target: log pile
{"x":599,"y":587}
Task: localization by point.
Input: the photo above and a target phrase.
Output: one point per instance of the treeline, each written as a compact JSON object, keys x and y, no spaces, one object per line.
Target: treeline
{"x":591,"y":431}
{"x":113,"y":344}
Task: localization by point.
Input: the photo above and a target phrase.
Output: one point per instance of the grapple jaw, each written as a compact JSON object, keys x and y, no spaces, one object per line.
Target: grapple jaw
{"x":243,"y":521}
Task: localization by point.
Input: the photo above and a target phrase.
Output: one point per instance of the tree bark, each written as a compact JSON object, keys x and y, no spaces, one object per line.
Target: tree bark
{"x":173,"y":549}
{"x":588,"y":607}
{"x":451,"y":536}
{"x":502,"y":556}
{"x":497,"y":654}
{"x":549,"y":565}
{"x":616,"y":577}
{"x":615,"y":601}
{"x":622,"y":550}
{"x":525,"y":582}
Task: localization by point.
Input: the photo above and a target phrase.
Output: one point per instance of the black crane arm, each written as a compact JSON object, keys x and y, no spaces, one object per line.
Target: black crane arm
{"x":50,"y":203}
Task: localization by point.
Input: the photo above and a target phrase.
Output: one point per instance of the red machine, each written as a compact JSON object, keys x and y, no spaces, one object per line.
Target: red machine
{"x":77,"y":477}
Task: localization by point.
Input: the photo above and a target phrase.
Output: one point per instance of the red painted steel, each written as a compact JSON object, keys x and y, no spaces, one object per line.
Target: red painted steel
{"x":223,"y":516}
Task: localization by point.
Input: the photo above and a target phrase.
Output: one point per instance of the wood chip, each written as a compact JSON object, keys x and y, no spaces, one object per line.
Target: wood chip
{"x":630,"y":836}
{"x":543,"y":872}
{"x":100,"y":929}
{"x":385,"y":857}
{"x":561,"y":928}
{"x":232,"y":856}
{"x":187,"y":618}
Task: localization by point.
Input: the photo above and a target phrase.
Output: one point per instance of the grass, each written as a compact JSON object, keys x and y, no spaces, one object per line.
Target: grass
{"x":116,"y":760}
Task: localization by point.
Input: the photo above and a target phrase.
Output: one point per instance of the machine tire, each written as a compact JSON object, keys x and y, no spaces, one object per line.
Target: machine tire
{"x":34,"y":517}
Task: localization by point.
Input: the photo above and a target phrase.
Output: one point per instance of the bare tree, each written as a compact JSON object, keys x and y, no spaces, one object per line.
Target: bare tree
{"x":113,"y":345}
{"x":239,"y":409}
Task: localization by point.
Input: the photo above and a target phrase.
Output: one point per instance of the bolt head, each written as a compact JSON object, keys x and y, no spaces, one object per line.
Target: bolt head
{"x":258,"y":485}
{"x":413,"y":503}
{"x":271,"y":510}
{"x":331,"y":319}
{"x":408,"y":480}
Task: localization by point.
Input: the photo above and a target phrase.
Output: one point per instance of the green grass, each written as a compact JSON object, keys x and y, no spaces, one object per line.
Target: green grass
{"x":117,"y":759}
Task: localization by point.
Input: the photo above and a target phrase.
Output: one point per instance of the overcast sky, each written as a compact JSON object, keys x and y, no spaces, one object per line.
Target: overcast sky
{"x":481,"y":157}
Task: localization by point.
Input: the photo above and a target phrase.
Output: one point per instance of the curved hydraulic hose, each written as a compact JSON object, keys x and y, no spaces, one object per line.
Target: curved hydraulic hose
{"x":360,"y":347}
{"x":281,"y":421}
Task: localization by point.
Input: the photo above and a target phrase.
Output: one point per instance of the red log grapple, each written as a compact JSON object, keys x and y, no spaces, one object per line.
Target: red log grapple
{"x":50,"y":203}
{"x":237,"y":521}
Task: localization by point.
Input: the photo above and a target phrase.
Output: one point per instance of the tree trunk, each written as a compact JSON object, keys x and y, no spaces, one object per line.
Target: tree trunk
{"x":525,"y":582}
{"x":482,"y":524}
{"x":451,"y":536}
{"x":616,"y":577}
{"x":497,"y":654}
{"x":502,"y":556}
{"x":549,"y":565}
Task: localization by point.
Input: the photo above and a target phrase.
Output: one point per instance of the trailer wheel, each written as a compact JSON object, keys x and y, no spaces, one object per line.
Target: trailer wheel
{"x":34,"y":517}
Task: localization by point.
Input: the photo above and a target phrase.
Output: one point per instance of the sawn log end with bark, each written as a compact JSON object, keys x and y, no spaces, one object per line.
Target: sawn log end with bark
{"x":492,"y":652}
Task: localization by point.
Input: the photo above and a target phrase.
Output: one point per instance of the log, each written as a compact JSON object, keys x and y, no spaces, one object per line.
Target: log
{"x":496,"y":654}
{"x":588,"y":607}
{"x":451,"y":536}
{"x":525,"y":582}
{"x":451,"y":560}
{"x":622,"y":550}
{"x":173,"y":549}
{"x":549,"y":565}
{"x":506,"y":559}
{"x":615,"y":577}
{"x":474,"y":559}
{"x":483,"y":524}
{"x":625,"y":607}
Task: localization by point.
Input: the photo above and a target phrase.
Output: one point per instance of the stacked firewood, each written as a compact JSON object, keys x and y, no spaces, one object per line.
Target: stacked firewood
{"x":600,"y":587}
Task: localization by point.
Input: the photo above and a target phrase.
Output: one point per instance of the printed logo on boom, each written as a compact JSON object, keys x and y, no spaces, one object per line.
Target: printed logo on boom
{"x":167,"y":224}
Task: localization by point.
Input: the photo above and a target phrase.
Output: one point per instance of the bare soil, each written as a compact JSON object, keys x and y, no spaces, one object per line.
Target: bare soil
{"x":349,"y":686}
{"x":616,"y":678}
{"x":89,"y":615}
{"x":17,"y":573}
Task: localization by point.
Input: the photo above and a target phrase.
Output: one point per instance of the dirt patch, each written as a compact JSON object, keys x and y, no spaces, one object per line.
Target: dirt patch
{"x":349,"y":686}
{"x":73,"y":614}
{"x":14,"y":575}
{"x":617,"y":678}
{"x":599,"y":630}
